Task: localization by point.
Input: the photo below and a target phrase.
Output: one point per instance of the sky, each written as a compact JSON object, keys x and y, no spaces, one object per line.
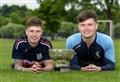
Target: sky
{"x":30,"y":4}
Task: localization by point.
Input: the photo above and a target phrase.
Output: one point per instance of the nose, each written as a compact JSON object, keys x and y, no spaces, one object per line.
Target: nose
{"x":34,"y":33}
{"x":86,"y":26}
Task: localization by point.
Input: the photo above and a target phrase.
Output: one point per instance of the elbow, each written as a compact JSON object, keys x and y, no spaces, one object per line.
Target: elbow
{"x":108,"y":67}
{"x":75,"y":67}
{"x":51,"y":68}
{"x":113,"y":67}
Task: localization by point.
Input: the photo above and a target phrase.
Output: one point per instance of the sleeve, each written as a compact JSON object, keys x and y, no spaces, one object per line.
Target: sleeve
{"x":68,"y":44}
{"x":17,"y":51}
{"x":73,"y":62}
{"x":109,"y":57}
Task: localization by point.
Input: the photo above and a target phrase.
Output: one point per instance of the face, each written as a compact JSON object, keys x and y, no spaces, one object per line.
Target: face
{"x":88,"y":28}
{"x":33,"y":33}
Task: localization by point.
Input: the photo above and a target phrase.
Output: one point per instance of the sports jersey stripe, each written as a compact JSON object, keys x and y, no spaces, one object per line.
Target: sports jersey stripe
{"x":18,"y":42}
{"x":45,"y":43}
{"x":28,"y":63}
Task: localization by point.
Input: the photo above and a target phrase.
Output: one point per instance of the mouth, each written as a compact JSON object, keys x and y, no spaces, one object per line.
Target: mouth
{"x":34,"y":38}
{"x":87,"y":32}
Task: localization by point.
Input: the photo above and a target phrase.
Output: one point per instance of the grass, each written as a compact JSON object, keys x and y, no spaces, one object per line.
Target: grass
{"x":9,"y":75}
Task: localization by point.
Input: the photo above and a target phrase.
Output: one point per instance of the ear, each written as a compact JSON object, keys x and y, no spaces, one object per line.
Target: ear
{"x":96,"y":26}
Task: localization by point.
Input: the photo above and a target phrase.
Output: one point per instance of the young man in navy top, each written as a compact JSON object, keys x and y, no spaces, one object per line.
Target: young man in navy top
{"x":94,"y":51}
{"x":31,"y":53}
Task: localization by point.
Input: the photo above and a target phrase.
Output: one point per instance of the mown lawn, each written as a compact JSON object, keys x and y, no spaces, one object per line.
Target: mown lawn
{"x":9,"y":75}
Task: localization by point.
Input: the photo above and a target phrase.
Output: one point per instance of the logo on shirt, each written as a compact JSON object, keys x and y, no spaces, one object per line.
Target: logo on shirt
{"x":77,"y":46}
{"x":97,"y":55}
{"x":26,"y":50}
{"x":39,"y":56}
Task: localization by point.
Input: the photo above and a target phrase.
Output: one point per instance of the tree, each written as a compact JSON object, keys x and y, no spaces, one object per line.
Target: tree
{"x":15,"y":17}
{"x":105,"y":9}
{"x":4,"y":21}
{"x":16,"y":14}
{"x":67,"y":28}
{"x":51,"y":12}
{"x":110,"y":8}
{"x":12,"y":30}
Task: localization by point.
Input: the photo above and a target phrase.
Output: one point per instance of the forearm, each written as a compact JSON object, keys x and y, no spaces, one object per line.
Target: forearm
{"x":48,"y":65}
{"x":75,"y":67}
{"x":108,"y":67}
{"x":48,"y":68}
{"x":19,"y":65}
{"x":74,"y":63}
{"x":21,"y":68}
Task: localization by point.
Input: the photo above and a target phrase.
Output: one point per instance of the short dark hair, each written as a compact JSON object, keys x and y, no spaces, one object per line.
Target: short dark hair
{"x":34,"y":21}
{"x":87,"y":15}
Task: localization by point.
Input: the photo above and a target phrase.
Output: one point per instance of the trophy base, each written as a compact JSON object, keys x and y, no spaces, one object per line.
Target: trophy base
{"x":62,"y":69}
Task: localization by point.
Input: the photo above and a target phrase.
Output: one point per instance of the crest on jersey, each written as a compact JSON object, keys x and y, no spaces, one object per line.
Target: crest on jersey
{"x":97,"y":55}
{"x":39,"y":56}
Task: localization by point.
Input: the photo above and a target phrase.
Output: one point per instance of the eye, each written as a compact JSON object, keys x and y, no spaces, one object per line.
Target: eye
{"x":90,"y":24}
{"x":31,"y":31}
{"x":82,"y":24}
{"x":38,"y":31}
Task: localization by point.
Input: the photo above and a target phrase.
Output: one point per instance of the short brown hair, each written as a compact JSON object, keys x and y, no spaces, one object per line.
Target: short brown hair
{"x":87,"y":15}
{"x":34,"y":21}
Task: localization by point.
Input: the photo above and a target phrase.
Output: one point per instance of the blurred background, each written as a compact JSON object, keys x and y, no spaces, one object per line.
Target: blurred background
{"x":59,"y":16}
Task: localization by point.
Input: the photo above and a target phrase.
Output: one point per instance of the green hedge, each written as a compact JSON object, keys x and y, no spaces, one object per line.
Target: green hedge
{"x":12,"y":30}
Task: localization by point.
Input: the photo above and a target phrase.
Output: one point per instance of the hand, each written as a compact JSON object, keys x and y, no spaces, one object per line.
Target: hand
{"x":36,"y":67}
{"x":91,"y":68}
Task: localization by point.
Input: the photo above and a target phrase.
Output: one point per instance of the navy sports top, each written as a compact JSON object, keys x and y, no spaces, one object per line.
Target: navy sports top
{"x":100,"y":52}
{"x":22,"y":50}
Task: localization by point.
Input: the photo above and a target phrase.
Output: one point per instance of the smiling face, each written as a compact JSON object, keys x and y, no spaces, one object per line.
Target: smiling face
{"x":33,"y":34}
{"x":87,"y":28}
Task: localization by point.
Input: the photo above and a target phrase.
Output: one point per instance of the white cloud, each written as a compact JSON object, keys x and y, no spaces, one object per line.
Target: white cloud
{"x":31,"y":4}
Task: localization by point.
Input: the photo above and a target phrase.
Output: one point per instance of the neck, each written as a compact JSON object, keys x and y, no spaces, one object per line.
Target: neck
{"x":33,"y":44}
{"x":89,"y":40}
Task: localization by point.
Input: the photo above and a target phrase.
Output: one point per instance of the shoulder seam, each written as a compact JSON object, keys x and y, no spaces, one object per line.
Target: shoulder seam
{"x":45,"y":43}
{"x":18,"y":42}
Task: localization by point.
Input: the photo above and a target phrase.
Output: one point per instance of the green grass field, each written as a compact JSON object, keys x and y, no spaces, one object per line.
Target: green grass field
{"x":9,"y":75}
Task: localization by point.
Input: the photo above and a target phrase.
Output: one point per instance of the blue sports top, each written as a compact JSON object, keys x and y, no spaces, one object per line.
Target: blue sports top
{"x":22,"y":50}
{"x":100,"y":52}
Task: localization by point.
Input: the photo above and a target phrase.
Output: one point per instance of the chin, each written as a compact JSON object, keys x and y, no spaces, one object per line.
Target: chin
{"x":34,"y":41}
{"x":87,"y":37}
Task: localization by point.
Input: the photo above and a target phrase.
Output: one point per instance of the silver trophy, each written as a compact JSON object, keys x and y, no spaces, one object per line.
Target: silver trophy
{"x":61,"y":58}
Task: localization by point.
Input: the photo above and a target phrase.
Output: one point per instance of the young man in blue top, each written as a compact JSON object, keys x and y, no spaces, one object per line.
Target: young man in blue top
{"x":94,"y":51}
{"x":31,"y":53}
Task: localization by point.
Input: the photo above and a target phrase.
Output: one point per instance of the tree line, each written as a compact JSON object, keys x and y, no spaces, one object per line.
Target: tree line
{"x":59,"y":16}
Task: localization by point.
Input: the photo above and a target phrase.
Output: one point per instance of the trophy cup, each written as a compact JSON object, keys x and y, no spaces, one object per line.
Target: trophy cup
{"x":61,"y":58}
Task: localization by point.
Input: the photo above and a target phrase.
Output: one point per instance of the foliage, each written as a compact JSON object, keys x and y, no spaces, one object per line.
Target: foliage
{"x":15,"y":14}
{"x":7,"y":10}
{"x":12,"y":30}
{"x":4,"y":20}
{"x":71,"y":15}
{"x":50,"y":11}
{"x":102,"y":28}
{"x":117,"y":30}
{"x":54,"y":12}
{"x":67,"y":28}
{"x":108,"y":7}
